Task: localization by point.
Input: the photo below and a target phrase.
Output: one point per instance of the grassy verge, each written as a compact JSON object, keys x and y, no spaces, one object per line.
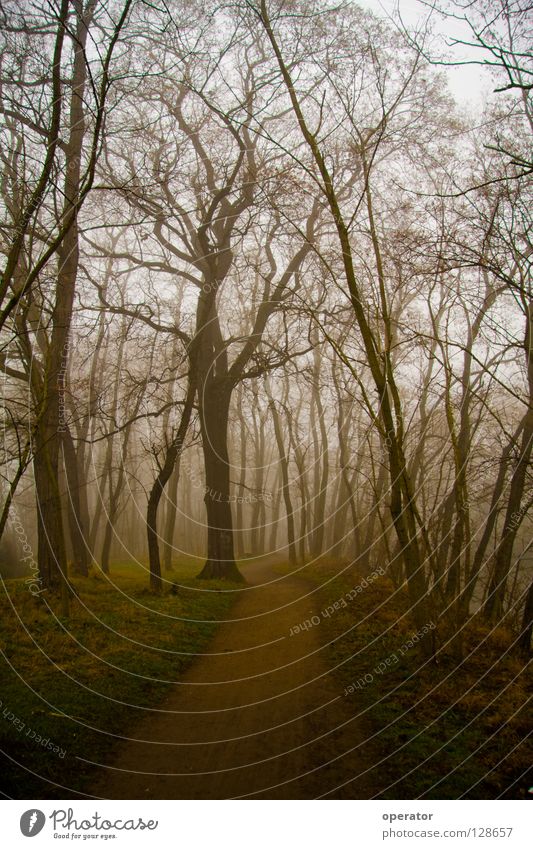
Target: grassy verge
{"x":71,"y":687}
{"x":444,"y":729}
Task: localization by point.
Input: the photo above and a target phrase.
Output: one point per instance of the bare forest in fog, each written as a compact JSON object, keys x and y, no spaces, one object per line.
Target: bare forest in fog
{"x":266,"y":316}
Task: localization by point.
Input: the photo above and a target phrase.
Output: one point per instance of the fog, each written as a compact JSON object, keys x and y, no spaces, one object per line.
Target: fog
{"x":266,"y":311}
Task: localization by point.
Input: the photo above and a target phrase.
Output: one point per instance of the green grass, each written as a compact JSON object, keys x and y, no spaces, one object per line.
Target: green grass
{"x":440,"y":730}
{"x":72,"y":681}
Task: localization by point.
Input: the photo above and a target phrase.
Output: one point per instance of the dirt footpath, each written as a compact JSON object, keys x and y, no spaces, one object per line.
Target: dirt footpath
{"x":259,"y":717}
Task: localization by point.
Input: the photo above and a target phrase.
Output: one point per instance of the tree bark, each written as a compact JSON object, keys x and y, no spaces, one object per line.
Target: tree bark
{"x":524,"y":644}
{"x":160,"y":482}
{"x":514,"y":515}
{"x":214,"y":420}
{"x":494,"y":604}
{"x":284,"y":465}
{"x":170,"y":517}
{"x":77,"y":527}
{"x":51,"y":543}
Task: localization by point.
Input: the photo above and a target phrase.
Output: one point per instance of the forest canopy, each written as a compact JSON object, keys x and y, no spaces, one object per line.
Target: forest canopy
{"x":266,"y":291}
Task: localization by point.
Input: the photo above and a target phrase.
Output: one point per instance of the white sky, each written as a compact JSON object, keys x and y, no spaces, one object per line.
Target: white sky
{"x":468,"y":83}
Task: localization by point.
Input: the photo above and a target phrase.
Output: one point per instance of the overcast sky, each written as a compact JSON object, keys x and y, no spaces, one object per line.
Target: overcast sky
{"x":468,"y":82}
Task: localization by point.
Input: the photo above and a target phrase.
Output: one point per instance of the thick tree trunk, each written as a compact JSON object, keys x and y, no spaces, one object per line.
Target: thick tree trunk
{"x":52,"y":557}
{"x":214,"y":401}
{"x":77,"y":527}
{"x":51,"y":543}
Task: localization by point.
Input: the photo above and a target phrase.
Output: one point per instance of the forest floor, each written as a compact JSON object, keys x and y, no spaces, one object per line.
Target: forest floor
{"x":346,"y":706}
{"x":259,"y":716}
{"x":454,"y":725}
{"x":295,"y":685}
{"x":70,"y":686}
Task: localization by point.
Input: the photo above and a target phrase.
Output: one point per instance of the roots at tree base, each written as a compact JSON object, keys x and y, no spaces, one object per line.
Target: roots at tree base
{"x":222,"y":571}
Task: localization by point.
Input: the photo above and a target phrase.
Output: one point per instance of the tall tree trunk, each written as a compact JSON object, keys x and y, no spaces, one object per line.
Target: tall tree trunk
{"x":170,"y":517}
{"x":214,"y":401}
{"x":240,"y":532}
{"x":114,"y":486}
{"x":403,"y":507}
{"x":514,"y":514}
{"x":21,"y":468}
{"x":345,"y":490}
{"x":51,"y":543}
{"x":276,"y":511}
{"x":490,"y":520}
{"x":52,"y":557}
{"x":524,"y":644}
{"x":284,"y":466}
{"x":299,"y":459}
{"x":374,"y":516}
{"x":494,"y":604}
{"x":258,"y":517}
{"x":160,"y":482}
{"x":77,"y":526}
{"x":108,"y":537}
{"x":321,"y":458}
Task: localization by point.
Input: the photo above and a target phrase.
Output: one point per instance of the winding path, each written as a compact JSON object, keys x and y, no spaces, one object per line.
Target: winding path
{"x":258,"y":717}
